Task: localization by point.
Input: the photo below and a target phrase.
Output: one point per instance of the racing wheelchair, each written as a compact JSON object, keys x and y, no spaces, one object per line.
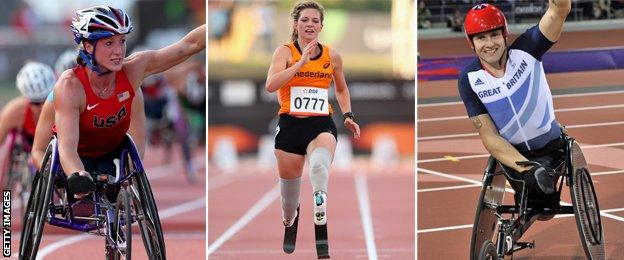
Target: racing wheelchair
{"x":496,"y":237}
{"x":117,"y":203}
{"x":16,"y":171}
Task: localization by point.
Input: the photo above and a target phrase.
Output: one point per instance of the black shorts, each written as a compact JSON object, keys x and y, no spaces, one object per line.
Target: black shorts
{"x":294,"y":134}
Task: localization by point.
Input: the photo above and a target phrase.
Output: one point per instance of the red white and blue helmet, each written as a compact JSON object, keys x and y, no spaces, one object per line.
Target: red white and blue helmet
{"x":483,"y":18}
{"x":99,"y":22}
{"x":35,"y":81}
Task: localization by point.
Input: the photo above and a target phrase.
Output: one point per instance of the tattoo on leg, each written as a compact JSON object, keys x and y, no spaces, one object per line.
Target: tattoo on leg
{"x":476,"y":122}
{"x":554,"y":2}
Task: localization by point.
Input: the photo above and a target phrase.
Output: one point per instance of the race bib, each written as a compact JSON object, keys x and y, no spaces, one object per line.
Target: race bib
{"x":309,"y":101}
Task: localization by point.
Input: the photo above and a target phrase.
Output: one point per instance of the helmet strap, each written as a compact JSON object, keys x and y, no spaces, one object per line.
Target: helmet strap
{"x":89,"y":59}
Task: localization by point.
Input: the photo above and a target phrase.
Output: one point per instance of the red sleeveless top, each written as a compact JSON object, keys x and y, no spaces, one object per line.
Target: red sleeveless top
{"x":104,"y":122}
{"x":29,"y":124}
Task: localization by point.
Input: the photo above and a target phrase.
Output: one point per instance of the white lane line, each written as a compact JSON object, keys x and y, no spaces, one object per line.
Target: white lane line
{"x":56,"y":245}
{"x":607,"y":173}
{"x":448,"y":118}
{"x":443,"y":229}
{"x":163,"y":214}
{"x":457,"y":187}
{"x":438,"y":137}
{"x":186,"y":207}
{"x":599,"y":93}
{"x":475,"y":182}
{"x":449,"y":188}
{"x":361,"y":188}
{"x":154,"y":173}
{"x":487,"y":155}
{"x":264,"y":202}
{"x":353,"y":251}
{"x":602,"y":213}
{"x":456,"y":157}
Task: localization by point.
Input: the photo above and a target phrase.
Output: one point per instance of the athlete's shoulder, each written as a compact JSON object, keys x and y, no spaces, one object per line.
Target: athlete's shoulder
{"x":13,"y":112}
{"x":68,"y":79}
{"x":532,"y":41}
{"x":333,"y":54}
{"x":473,"y":65}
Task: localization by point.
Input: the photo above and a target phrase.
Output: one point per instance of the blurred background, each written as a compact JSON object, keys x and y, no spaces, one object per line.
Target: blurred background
{"x":39,"y":30}
{"x":584,"y":70}
{"x":376,"y":42}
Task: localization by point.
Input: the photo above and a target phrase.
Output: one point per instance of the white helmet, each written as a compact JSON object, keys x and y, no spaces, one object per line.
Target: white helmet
{"x":35,"y":81}
{"x":66,"y":61}
{"x":99,"y":22}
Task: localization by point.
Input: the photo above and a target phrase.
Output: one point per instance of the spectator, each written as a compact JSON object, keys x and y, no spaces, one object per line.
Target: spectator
{"x":424,"y":16}
{"x":455,"y":21}
{"x":618,"y":8}
{"x":601,"y":9}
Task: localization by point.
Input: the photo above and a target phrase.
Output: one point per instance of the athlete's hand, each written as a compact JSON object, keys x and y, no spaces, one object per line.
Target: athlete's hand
{"x":353,"y":127}
{"x":307,"y":52}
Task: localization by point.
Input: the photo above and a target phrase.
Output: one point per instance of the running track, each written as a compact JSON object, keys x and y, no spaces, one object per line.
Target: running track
{"x":451,"y":160}
{"x":181,"y":209}
{"x":370,"y":213}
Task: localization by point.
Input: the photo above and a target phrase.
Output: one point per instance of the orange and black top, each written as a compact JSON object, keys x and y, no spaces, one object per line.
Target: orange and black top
{"x":104,"y":122}
{"x":306,"y":94}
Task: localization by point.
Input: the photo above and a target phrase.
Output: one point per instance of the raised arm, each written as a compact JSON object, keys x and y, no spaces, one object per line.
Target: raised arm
{"x":145,"y":63}
{"x":498,"y":147}
{"x":551,"y":23}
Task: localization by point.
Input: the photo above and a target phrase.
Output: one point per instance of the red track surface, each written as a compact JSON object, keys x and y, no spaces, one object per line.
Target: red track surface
{"x":181,"y":208}
{"x":445,"y":216}
{"x":390,"y":194}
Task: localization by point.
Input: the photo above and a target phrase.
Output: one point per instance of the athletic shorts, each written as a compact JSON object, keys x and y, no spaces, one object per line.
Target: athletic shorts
{"x":104,"y":165}
{"x":294,"y":134}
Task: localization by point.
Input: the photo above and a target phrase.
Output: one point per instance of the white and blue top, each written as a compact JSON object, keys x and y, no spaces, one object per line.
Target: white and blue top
{"x":520,"y":102}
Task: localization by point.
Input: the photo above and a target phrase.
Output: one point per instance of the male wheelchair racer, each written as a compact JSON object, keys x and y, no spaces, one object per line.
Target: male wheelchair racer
{"x":118,"y":201}
{"x":496,"y":237}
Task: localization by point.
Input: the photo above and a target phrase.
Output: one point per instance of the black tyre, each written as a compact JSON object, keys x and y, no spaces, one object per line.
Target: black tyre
{"x":485,"y":224}
{"x":36,"y":210}
{"x":121,"y":232}
{"x":488,"y":251}
{"x":149,"y":222}
{"x":587,"y":213}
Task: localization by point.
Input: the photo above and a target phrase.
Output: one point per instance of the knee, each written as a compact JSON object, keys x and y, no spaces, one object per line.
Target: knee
{"x":320,"y":159}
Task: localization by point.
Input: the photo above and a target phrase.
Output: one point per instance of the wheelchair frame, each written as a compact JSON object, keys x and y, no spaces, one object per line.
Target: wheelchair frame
{"x":18,"y":173}
{"x":495,"y":237}
{"x":134,"y":193}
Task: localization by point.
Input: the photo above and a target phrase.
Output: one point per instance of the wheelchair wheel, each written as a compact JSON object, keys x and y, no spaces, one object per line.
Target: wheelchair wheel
{"x":122,"y":228}
{"x":149,"y":222}
{"x":586,"y":209}
{"x":36,"y":211}
{"x":485,"y":225}
{"x":488,"y":251}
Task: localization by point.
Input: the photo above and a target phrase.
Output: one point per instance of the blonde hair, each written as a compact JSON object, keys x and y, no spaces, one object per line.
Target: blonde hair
{"x":296,"y":12}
